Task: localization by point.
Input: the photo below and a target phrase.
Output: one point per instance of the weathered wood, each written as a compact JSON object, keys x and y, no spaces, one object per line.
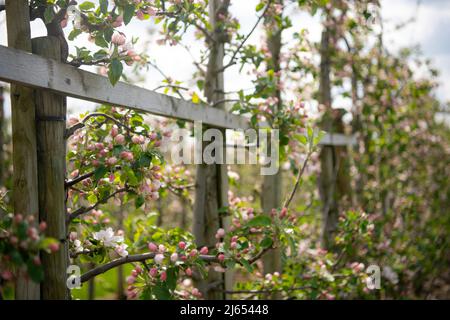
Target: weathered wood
{"x":212,"y":180}
{"x":272,"y":185}
{"x":2,"y":136}
{"x":334,"y":175}
{"x":51,"y":147}
{"x":32,"y":70}
{"x":25,"y":182}
{"x":38,"y":72}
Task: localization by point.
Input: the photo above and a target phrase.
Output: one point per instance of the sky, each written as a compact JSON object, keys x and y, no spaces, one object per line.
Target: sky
{"x":430,"y":30}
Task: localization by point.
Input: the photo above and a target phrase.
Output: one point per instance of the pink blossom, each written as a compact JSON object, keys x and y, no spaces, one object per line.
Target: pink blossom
{"x":152,"y":247}
{"x":7,"y":275}
{"x":118,"y":39}
{"x":159,"y":258}
{"x":182,"y":245}
{"x":140,"y":15}
{"x":193,"y":253}
{"x":174,"y":257}
{"x":131,"y":280}
{"x":127,"y":155}
{"x":114,"y":131}
{"x":153,"y":272}
{"x":111,"y":161}
{"x":54,"y":247}
{"x":119,"y":139}
{"x":42,"y":226}
{"x":163,"y":276}
{"x":18,"y":218}
{"x":188,"y":272}
{"x":220,"y":233}
{"x":221,"y":257}
{"x":204,"y":250}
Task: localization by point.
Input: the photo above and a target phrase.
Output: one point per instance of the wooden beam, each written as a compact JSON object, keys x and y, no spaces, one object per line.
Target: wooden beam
{"x":25,"y":180}
{"x":19,"y":67}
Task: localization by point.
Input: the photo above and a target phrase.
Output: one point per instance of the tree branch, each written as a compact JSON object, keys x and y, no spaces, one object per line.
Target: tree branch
{"x":297,"y":182}
{"x":83,"y":210}
{"x":71,"y":130}
{"x":128,"y":259}
{"x":74,"y":181}
{"x":233,"y":57}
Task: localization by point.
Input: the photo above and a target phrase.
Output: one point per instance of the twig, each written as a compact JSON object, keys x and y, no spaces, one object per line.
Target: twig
{"x":83,"y":210}
{"x":82,"y":123}
{"x":232,"y":62}
{"x":297,"y":182}
{"x":74,"y":181}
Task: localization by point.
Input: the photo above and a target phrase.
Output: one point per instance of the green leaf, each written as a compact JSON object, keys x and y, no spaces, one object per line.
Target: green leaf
{"x":74,"y":33}
{"x":100,"y":172}
{"x":259,"y":6}
{"x":302,"y":139}
{"x":115,"y":71}
{"x":92,"y":198}
{"x":100,"y":41}
{"x":139,"y":201}
{"x":104,"y":6}
{"x":161,"y":292}
{"x":35,"y":272}
{"x":48,"y":14}
{"x":145,"y":160}
{"x":266,"y":242}
{"x":246,"y":265}
{"x":260,"y":221}
{"x":87,"y":5}
{"x":128,"y":13}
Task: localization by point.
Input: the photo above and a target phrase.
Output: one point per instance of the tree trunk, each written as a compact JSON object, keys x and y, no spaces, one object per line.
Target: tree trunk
{"x":25,"y":180}
{"x":211,"y":191}
{"x":51,"y":147}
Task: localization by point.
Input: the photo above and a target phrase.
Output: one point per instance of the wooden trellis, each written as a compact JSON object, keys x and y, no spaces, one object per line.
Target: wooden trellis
{"x":52,"y":77}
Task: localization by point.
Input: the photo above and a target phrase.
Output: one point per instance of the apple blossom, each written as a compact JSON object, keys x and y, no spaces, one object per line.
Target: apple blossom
{"x":182,"y":245}
{"x":118,"y":39}
{"x":119,"y":139}
{"x":159,"y":258}
{"x":193,"y":253}
{"x":174,"y":257}
{"x":188,"y":272}
{"x":204,"y":250}
{"x":53,"y":247}
{"x":163,"y":276}
{"x":152,"y":247}
{"x":108,"y":238}
{"x":153,"y":272}
{"x":220,"y":233}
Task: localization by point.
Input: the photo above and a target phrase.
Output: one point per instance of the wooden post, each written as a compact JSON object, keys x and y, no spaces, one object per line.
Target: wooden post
{"x":333,"y":178}
{"x":273,"y":184}
{"x":211,"y":191}
{"x":25,"y":181}
{"x":2,"y":136}
{"x":51,"y":146}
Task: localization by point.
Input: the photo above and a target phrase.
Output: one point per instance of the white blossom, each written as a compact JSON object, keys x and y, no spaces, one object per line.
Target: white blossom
{"x":108,"y":238}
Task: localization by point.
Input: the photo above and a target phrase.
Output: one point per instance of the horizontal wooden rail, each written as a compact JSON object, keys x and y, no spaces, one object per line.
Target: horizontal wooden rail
{"x":23,"y":68}
{"x":19,"y":67}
